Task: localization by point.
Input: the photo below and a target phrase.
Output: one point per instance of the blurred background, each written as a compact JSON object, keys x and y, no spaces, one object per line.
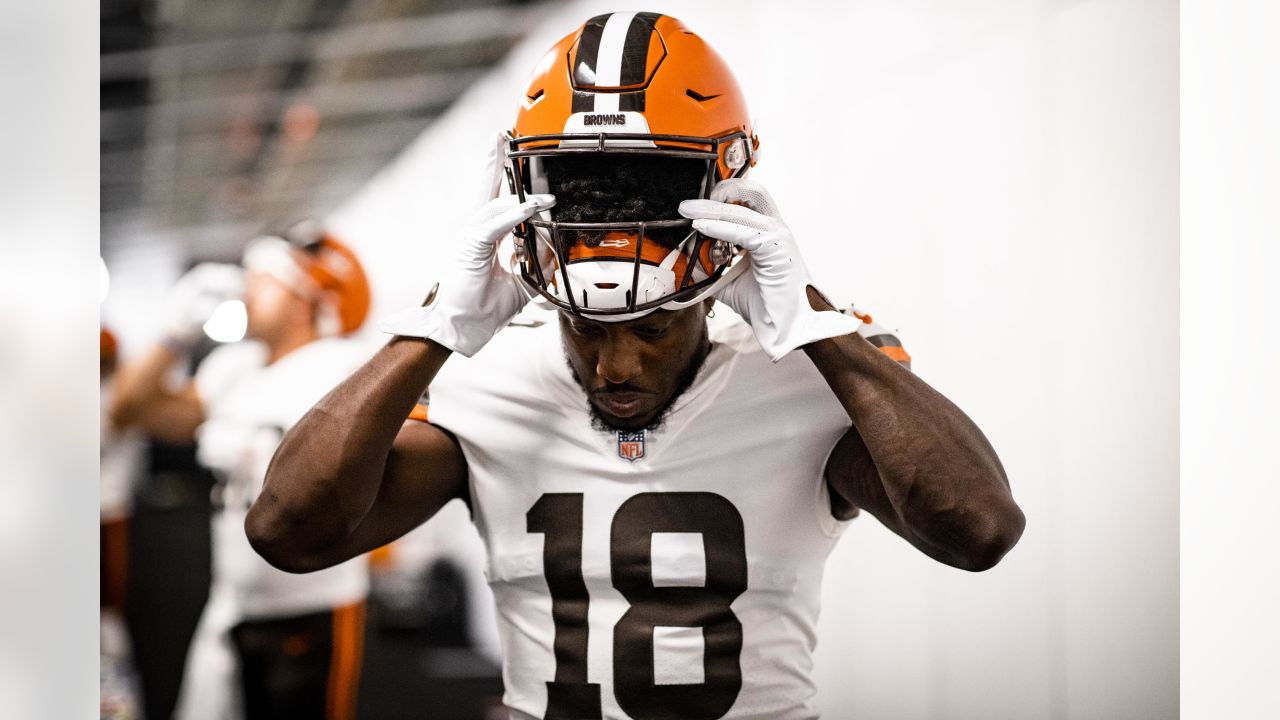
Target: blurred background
{"x":996,"y":179}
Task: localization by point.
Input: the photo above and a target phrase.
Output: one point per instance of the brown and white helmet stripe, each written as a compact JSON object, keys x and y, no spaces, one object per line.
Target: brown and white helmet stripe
{"x":617,"y":51}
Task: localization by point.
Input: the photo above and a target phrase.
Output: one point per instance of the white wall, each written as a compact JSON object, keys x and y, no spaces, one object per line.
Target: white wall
{"x":998,"y":179}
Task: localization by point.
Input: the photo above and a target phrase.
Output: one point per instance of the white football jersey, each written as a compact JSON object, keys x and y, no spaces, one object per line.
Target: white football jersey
{"x":667,"y":574}
{"x":248,"y":408}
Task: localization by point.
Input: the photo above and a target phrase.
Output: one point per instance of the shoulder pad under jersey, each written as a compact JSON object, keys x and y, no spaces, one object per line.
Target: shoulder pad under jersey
{"x":880,"y":336}
{"x":419,"y":411}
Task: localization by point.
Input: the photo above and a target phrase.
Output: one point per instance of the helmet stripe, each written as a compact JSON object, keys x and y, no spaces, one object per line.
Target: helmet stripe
{"x":635,"y":57}
{"x":584,"y":63}
{"x":633,"y":101}
{"x":609,"y":59}
{"x":613,"y":51}
{"x":635,"y":50}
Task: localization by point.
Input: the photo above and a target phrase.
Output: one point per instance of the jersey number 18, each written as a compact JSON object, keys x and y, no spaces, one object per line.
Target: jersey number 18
{"x":559,"y":517}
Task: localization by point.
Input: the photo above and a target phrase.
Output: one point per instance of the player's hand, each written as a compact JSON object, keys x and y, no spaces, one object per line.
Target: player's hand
{"x":192,"y":300}
{"x":772,"y":296}
{"x":477,"y":296}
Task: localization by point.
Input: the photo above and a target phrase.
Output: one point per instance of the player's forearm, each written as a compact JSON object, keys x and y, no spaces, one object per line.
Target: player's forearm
{"x":140,"y":399}
{"x":138,"y":383}
{"x":938,"y":475}
{"x":329,"y":468}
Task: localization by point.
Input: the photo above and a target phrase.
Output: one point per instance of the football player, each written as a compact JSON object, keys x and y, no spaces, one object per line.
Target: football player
{"x":270,"y":644}
{"x":120,"y":462}
{"x":657,"y":500}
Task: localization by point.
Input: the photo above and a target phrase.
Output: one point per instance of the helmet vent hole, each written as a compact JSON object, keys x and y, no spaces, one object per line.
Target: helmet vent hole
{"x":607,"y":286}
{"x":536,"y":96}
{"x":700,"y":97}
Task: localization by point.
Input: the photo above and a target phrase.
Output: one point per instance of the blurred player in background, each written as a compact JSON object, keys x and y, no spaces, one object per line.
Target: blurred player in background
{"x":657,"y":498}
{"x":270,"y":644}
{"x":120,"y":465}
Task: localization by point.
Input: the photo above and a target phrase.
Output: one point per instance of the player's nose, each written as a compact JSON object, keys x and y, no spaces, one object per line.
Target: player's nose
{"x":617,"y":361}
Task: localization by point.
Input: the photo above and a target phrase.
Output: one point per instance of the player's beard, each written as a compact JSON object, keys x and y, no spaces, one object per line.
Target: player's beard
{"x":683,"y":383}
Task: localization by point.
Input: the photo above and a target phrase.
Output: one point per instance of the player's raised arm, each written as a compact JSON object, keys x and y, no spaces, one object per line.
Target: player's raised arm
{"x":912,"y":458}
{"x":915,"y":460}
{"x":142,"y":398}
{"x":352,"y":474}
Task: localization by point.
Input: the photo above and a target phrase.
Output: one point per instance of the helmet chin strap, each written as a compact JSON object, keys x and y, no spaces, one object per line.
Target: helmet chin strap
{"x":727,"y":277}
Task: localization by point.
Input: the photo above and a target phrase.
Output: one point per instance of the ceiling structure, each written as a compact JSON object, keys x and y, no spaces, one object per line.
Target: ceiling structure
{"x":224,"y":119}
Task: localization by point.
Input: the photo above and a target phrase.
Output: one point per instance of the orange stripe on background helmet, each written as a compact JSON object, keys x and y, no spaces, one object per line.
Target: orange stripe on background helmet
{"x":683,"y":87}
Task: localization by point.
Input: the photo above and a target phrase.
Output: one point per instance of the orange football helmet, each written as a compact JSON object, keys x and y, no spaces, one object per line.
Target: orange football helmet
{"x":625,"y":84}
{"x":316,"y":265}
{"x":108,"y":349}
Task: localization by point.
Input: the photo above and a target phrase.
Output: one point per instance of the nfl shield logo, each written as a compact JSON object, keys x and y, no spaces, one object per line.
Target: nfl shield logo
{"x":631,"y":445}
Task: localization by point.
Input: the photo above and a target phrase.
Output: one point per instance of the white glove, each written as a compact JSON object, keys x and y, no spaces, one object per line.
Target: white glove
{"x":771,"y":297}
{"x":192,"y":300}
{"x":477,"y":297}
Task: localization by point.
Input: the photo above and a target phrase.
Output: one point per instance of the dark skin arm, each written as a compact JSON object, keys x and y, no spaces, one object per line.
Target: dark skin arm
{"x":353,"y":474}
{"x":913,"y":459}
{"x":142,"y":400}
